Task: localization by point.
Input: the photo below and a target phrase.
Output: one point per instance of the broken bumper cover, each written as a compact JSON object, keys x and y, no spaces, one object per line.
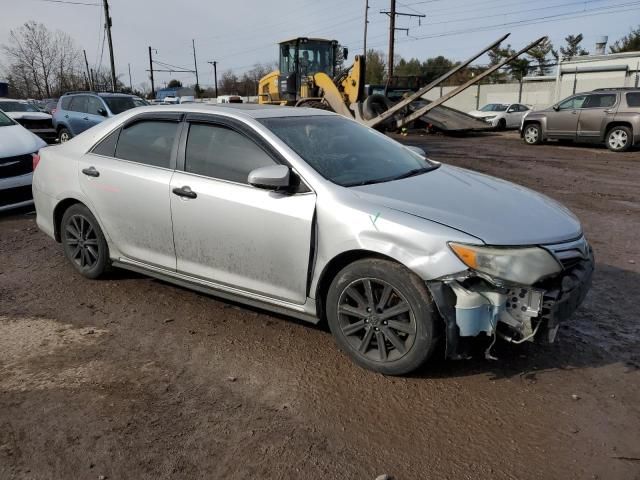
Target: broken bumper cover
{"x":471,"y":306}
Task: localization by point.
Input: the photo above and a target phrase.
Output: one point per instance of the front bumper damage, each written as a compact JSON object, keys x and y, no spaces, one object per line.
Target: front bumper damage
{"x":472,"y":306}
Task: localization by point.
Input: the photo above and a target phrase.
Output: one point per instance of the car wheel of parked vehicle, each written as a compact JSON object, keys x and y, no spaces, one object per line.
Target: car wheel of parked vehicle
{"x":502,"y":124}
{"x":64,"y":135}
{"x":532,"y":134}
{"x":619,"y":139}
{"x":83,"y":242}
{"x":382,"y":315}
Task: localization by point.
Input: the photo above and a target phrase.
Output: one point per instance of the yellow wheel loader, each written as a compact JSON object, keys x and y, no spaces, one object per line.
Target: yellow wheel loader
{"x":309,"y":76}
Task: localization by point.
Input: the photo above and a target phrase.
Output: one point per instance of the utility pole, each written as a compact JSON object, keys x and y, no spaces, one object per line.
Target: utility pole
{"x":392,"y":13}
{"x":130,"y":83}
{"x":86,"y":63}
{"x":153,"y":89}
{"x":392,"y":35}
{"x":195,"y":66}
{"x":366,"y":22}
{"x":108,"y":27}
{"x":215,"y":76}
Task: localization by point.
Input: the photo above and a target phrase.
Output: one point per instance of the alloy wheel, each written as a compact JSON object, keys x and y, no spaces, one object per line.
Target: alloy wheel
{"x":64,"y":137}
{"x":618,"y":139}
{"x":531,"y":135}
{"x":376,"y":319}
{"x":82,"y":240}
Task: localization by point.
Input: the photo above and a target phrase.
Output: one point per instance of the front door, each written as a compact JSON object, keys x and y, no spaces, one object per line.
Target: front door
{"x":563,"y":122}
{"x":231,"y":233}
{"x":126,"y":179}
{"x":597,"y":111}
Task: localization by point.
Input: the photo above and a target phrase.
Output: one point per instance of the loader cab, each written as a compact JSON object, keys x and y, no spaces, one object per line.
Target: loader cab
{"x":300,"y":59}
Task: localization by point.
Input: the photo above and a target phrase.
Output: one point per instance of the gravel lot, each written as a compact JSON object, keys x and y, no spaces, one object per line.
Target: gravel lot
{"x":131,"y":377}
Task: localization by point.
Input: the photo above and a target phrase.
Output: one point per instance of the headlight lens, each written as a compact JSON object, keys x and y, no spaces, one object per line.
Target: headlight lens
{"x":490,"y":118}
{"x":525,"y":266}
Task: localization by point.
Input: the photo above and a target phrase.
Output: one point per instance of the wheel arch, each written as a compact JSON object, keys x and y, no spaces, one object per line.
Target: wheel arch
{"x":333,"y":267}
{"x":617,"y":123}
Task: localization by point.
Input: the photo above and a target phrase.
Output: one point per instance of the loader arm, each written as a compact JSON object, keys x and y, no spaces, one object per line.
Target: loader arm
{"x":349,"y":91}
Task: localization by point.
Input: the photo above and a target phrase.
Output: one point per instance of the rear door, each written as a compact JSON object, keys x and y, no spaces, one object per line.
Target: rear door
{"x":597,"y":110}
{"x":231,"y":233}
{"x":563,"y":123}
{"x":77,"y":113}
{"x":126,"y":178}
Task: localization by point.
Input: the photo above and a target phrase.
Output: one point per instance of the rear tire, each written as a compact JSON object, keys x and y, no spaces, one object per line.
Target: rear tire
{"x":619,"y":139}
{"x":83,"y":243}
{"x":532,"y":134}
{"x":64,"y":135}
{"x":382,"y":316}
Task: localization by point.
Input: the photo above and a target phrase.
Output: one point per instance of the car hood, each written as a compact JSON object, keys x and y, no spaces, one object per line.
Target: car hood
{"x":496,"y":211}
{"x":29,"y":115}
{"x":17,"y":140}
{"x":479,"y":114}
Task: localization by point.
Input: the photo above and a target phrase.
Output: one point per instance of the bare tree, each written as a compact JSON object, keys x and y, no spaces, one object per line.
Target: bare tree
{"x":42,"y":63}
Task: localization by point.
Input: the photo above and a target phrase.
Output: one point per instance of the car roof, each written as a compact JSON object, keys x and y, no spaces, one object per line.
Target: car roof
{"x":251,"y":110}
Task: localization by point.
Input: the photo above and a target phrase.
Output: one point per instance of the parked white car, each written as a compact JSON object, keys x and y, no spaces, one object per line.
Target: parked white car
{"x":502,"y":115}
{"x":30,"y":117}
{"x":17,"y":146}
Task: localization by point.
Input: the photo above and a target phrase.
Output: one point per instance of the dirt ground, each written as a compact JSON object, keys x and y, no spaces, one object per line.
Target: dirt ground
{"x":131,"y":378}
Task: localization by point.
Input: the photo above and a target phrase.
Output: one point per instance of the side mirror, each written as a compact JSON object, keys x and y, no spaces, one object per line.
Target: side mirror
{"x":345,"y":53}
{"x":511,"y":110}
{"x":272,"y":177}
{"x":417,"y":150}
{"x":102,"y":112}
{"x":556,"y":107}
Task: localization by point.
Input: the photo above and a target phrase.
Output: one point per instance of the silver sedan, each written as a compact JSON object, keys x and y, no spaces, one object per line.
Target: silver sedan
{"x":310,"y":214}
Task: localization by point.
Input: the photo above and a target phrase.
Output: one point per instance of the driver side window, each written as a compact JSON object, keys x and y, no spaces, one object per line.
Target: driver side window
{"x":572,"y":103}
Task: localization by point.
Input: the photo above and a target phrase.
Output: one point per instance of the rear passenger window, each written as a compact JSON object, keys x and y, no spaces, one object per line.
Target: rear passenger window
{"x":79,"y":104}
{"x":107,"y":146}
{"x":220,"y":152}
{"x":633,"y":99}
{"x":149,"y":142}
{"x":600,"y":101}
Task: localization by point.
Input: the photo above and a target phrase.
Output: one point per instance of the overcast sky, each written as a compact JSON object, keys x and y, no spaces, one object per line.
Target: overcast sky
{"x":242,"y":32}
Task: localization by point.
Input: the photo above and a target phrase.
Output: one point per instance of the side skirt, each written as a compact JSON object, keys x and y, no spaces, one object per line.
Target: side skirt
{"x":306,"y":312}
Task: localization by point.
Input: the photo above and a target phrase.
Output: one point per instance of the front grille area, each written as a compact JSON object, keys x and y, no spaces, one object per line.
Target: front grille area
{"x":14,"y":166}
{"x":35,"y":124}
{"x":15,"y":195}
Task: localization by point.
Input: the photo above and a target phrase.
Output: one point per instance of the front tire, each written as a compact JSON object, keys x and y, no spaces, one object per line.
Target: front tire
{"x":619,"y":139}
{"x":382,"y":316}
{"x":501,"y":125}
{"x":83,"y":242}
{"x":532,"y":134}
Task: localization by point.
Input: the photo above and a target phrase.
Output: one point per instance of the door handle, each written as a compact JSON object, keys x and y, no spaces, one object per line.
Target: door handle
{"x":91,"y":172}
{"x":574,"y":112}
{"x":66,"y":116}
{"x":85,"y":118}
{"x":608,"y":111}
{"x":185,"y":191}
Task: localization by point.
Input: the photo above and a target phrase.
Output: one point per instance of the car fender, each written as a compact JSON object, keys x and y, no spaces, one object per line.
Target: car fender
{"x":420,"y":245}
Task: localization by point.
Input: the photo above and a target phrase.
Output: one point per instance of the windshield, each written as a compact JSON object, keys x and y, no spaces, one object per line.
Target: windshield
{"x":5,"y":121}
{"x":312,"y":57}
{"x":17,"y":107}
{"x":119,"y":104}
{"x":494,"y":107}
{"x":346,"y":152}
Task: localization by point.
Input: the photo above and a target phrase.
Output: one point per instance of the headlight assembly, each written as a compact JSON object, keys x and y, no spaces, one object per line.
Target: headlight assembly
{"x":524,"y":266}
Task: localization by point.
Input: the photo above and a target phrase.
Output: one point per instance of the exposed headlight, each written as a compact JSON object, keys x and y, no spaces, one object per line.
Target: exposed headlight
{"x":488,"y":119}
{"x":524,"y":266}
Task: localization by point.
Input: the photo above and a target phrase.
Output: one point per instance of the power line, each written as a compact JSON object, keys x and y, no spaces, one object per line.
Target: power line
{"x":72,"y":2}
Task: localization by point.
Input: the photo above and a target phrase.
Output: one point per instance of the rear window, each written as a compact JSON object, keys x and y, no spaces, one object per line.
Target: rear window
{"x":119,"y":104}
{"x":633,"y":99}
{"x":17,"y":107}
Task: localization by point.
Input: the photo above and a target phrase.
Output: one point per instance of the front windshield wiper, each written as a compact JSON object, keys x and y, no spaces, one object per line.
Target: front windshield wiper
{"x":410,"y":173}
